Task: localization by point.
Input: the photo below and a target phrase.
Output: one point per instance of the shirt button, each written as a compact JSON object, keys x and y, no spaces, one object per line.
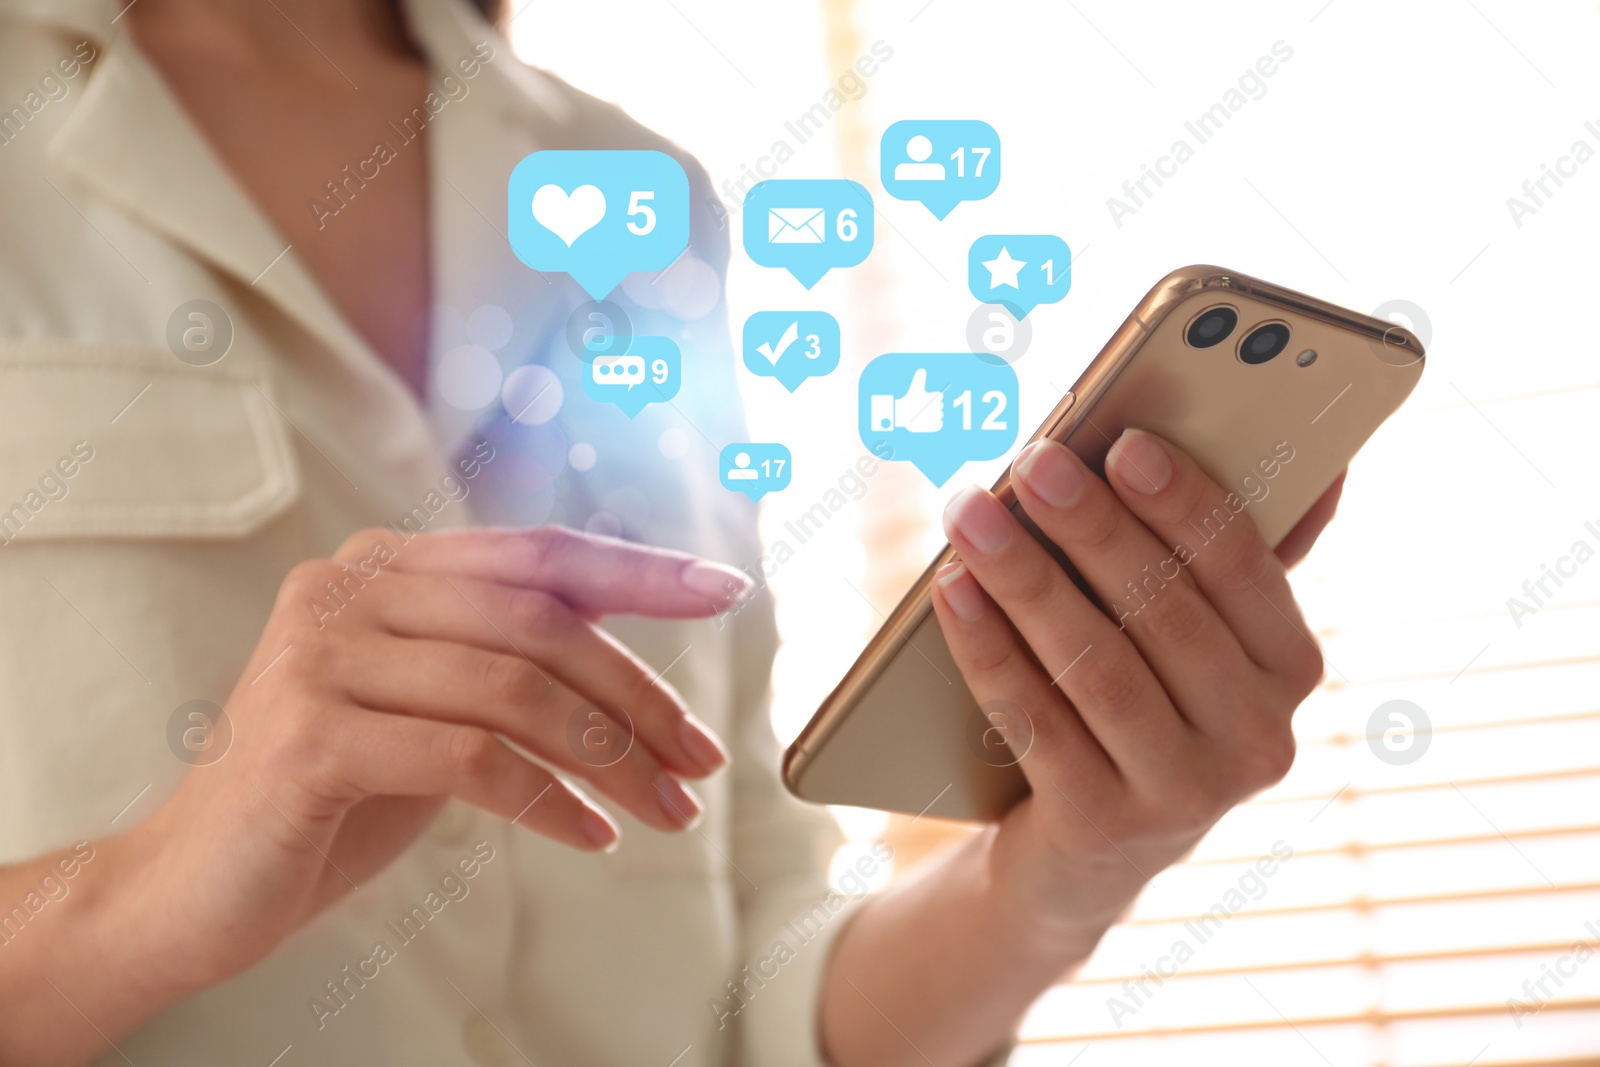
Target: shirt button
{"x":484,"y":1043}
{"x":453,"y":824}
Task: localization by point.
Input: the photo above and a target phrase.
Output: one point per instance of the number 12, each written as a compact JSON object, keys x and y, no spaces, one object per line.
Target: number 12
{"x":992,"y":421}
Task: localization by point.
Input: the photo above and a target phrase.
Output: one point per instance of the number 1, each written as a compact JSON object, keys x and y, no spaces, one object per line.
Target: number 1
{"x":964,"y":402}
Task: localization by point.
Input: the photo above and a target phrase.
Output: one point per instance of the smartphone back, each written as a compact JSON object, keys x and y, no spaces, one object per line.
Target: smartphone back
{"x":902,"y":733}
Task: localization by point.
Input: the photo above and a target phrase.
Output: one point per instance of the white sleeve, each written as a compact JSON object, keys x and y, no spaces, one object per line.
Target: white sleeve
{"x":788,"y":916}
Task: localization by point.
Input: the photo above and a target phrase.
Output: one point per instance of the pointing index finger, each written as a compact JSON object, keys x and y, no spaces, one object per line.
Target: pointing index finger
{"x":593,"y":575}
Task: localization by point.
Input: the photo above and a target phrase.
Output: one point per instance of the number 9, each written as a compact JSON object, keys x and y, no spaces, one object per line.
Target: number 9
{"x":659,"y":371}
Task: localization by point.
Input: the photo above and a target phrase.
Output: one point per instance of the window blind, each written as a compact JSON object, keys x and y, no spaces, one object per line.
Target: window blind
{"x":1374,"y":910}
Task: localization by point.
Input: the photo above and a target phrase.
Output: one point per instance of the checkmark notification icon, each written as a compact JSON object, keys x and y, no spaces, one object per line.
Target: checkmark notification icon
{"x":789,"y":337}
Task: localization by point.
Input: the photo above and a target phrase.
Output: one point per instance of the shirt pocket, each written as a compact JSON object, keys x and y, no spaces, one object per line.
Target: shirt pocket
{"x":148,"y":511}
{"x":104,"y":440}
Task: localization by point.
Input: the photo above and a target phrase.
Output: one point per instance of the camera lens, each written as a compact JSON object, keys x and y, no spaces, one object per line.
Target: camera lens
{"x":1264,"y":342}
{"x":1211,"y":327}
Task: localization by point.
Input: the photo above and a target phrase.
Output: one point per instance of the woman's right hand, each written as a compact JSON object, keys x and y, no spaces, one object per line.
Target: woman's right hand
{"x":352,"y":727}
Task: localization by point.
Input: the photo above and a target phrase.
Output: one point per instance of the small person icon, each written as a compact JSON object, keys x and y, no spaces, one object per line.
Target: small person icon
{"x":754,"y":468}
{"x":919,"y":148}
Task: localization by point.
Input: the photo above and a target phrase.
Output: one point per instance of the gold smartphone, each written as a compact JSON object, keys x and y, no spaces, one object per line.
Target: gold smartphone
{"x":1238,"y":372}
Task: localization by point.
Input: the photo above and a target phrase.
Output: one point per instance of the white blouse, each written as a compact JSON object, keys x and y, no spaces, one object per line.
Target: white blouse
{"x":149,"y":508}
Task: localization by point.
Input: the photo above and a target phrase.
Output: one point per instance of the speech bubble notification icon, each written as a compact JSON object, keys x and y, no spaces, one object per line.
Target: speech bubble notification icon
{"x":939,"y":410}
{"x":939,"y":162}
{"x":1019,"y":272}
{"x":598,"y":215}
{"x":755,"y":469}
{"x":618,"y":370}
{"x":648,"y":373}
{"x":808,"y":226}
{"x":791,"y":346}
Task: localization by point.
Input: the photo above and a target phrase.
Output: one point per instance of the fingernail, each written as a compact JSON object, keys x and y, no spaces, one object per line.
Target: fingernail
{"x":980,"y":519}
{"x":601,"y":830}
{"x":961,"y":591}
{"x":680,"y":805}
{"x":702,"y":745}
{"x":1140,"y":462}
{"x":1045,"y":467}
{"x":714,"y":580}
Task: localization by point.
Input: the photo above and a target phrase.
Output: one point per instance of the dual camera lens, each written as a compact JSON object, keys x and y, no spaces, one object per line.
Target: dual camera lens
{"x":1215,"y":325}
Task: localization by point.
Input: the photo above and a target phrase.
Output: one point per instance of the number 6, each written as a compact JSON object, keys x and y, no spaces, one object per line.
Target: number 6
{"x":845,"y":224}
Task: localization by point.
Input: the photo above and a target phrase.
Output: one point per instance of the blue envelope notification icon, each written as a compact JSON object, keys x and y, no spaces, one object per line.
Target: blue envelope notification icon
{"x":808,"y":226}
{"x":795,"y":225}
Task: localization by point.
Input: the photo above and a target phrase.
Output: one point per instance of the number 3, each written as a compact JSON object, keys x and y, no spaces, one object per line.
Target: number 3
{"x":637,"y":207}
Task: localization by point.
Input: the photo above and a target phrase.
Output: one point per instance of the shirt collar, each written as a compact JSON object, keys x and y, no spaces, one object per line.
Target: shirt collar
{"x":129,"y":143}
{"x":94,"y":19}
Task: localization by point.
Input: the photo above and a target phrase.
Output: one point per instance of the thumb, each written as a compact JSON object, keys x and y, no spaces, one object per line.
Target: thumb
{"x":919,"y":382}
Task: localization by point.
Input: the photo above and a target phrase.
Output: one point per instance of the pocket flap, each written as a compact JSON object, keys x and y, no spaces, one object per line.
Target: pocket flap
{"x":105,"y":440}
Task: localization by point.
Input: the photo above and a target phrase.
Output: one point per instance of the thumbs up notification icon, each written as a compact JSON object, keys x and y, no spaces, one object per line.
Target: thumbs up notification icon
{"x":918,"y":411}
{"x":938,"y":411}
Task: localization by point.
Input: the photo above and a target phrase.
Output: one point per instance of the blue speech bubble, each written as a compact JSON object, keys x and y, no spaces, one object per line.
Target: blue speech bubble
{"x":938,"y":410}
{"x":940,"y":162}
{"x":649,"y":372}
{"x":791,"y":346}
{"x":755,"y":469}
{"x":1019,"y":272}
{"x":808,"y":226}
{"x":598,"y":215}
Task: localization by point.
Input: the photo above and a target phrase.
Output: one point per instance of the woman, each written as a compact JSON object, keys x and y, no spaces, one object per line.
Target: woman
{"x":245,"y":247}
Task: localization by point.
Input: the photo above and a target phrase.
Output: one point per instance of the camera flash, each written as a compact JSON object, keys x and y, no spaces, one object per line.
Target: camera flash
{"x":1306,"y":358}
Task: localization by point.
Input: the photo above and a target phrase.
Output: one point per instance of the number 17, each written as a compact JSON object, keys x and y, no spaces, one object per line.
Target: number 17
{"x":980,"y":155}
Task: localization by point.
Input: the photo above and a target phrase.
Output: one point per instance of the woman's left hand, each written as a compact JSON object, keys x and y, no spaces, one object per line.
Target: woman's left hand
{"x":1144,"y":733}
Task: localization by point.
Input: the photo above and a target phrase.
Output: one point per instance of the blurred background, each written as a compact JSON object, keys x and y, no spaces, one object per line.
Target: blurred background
{"x":1441,"y":904}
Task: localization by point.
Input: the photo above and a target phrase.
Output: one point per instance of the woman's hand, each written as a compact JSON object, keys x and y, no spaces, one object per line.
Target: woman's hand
{"x":1136,"y":733}
{"x":384,"y":683}
{"x":352,"y":728}
{"x":1146,"y":728}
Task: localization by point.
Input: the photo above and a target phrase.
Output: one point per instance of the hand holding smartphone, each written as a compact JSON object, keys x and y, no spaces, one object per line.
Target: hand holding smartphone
{"x":1270,"y":392}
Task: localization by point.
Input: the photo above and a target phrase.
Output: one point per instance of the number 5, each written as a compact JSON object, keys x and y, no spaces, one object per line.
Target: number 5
{"x":637,"y":207}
